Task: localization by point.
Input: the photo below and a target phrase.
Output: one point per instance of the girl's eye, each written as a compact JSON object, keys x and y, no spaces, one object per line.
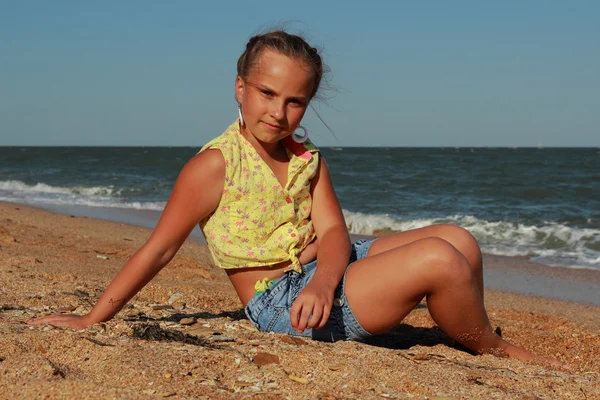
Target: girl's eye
{"x":267,"y":93}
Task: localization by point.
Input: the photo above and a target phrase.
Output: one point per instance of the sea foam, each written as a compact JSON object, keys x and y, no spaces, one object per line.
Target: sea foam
{"x":93,"y":196}
{"x":551,"y":242}
{"x":18,"y":186}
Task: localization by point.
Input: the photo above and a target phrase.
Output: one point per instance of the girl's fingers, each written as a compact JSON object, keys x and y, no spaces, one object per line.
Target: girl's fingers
{"x":44,"y":320}
{"x":315,"y":318}
{"x":60,"y":323}
{"x":309,"y":311}
{"x":69,"y":321}
{"x":40,"y":320}
{"x":304,"y":316}
{"x":294,"y":313}
{"x":325,"y":317}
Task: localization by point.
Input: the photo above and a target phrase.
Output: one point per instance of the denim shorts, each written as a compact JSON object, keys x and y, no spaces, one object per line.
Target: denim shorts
{"x":269,"y":311}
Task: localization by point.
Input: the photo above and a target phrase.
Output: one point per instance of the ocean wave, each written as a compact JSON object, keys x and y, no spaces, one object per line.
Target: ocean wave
{"x":18,"y":186}
{"x":95,"y":196}
{"x":136,"y":205}
{"x":551,"y":242}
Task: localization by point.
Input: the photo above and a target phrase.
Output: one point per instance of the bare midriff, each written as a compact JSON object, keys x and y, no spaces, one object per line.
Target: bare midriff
{"x":244,"y":279}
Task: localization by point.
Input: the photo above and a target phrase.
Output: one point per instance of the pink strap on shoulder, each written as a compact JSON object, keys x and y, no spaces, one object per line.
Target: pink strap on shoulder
{"x":297,"y":148}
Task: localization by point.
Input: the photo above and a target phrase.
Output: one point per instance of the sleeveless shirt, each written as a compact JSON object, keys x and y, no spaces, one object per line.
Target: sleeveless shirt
{"x":258,"y":222}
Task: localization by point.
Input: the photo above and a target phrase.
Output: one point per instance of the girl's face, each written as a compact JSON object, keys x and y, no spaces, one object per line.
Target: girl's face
{"x":274,"y":96}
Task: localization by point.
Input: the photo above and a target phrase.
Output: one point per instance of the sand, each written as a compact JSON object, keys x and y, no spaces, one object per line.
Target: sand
{"x":185,"y":335}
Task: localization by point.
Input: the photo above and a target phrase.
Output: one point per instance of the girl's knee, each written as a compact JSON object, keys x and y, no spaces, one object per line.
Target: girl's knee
{"x":444,"y":263}
{"x":465,"y":242}
{"x":455,"y":233}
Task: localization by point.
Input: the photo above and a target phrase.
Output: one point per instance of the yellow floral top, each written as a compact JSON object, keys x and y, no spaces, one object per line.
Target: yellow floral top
{"x":258,"y":222}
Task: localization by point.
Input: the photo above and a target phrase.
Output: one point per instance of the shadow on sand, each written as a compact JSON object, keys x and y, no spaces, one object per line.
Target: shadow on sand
{"x":402,"y":337}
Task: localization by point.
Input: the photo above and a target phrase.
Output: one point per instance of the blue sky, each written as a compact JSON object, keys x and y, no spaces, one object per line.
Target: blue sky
{"x":150,"y":73}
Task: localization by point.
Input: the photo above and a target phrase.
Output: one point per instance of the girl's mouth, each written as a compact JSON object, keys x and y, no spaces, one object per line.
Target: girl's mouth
{"x":272,"y":127}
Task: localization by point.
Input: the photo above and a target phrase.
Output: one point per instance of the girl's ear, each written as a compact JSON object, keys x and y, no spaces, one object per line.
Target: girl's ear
{"x":239,"y":89}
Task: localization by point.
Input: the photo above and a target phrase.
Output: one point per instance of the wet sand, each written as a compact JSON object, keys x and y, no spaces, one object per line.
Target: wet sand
{"x":185,"y":336}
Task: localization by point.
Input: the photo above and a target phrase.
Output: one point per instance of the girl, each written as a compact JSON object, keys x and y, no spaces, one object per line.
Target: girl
{"x":268,"y":211}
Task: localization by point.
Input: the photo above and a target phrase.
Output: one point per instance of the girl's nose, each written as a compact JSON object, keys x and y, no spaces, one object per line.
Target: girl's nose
{"x":277,"y":110}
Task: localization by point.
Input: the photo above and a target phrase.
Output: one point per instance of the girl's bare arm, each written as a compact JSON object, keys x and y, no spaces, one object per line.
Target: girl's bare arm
{"x":196,"y":194}
{"x":312,"y":307}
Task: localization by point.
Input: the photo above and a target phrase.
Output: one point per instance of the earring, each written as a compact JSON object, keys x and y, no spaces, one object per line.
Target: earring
{"x":240,"y":114}
{"x":300,"y":139}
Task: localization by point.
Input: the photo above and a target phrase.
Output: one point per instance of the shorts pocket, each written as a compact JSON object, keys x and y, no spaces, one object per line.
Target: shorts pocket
{"x":260,"y":303}
{"x":267,"y":318}
{"x":253,"y":310}
{"x":276,"y":321}
{"x":297,"y":283}
{"x":292,"y":294}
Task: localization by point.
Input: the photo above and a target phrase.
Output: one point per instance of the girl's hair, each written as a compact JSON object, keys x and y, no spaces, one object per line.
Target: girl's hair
{"x":293,"y":46}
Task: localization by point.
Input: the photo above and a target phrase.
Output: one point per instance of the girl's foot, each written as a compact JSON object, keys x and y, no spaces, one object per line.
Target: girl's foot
{"x":511,"y":351}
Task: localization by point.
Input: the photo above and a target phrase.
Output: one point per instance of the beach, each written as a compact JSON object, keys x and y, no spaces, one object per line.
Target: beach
{"x":185,"y":334}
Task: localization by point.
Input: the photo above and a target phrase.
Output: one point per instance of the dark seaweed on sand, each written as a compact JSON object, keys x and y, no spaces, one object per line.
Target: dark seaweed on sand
{"x":154,"y":332}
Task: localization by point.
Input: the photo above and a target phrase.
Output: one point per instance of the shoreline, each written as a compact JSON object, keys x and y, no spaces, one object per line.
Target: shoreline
{"x":512,"y":274}
{"x":185,"y":335}
{"x":149,"y":218}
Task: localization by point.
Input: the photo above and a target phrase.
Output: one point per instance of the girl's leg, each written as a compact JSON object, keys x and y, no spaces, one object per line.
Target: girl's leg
{"x":458,"y":237}
{"x":383,"y":288}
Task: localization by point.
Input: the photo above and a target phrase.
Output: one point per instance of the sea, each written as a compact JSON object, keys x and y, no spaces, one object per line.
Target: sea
{"x":538,"y":203}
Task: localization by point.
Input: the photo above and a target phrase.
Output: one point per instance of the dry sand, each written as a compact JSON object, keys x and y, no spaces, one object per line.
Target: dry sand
{"x":51,"y":263}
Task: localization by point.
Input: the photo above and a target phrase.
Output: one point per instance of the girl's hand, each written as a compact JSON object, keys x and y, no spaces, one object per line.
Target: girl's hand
{"x":67,"y":321}
{"x":312,"y":307}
